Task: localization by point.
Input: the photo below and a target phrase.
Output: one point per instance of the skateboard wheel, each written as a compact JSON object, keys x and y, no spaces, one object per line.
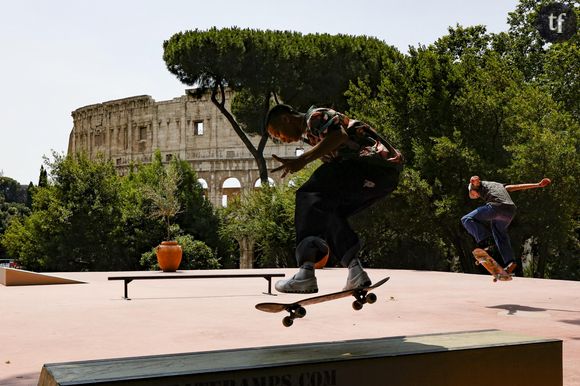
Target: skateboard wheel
{"x":357,"y":305}
{"x":477,"y":262}
{"x":494,"y":279}
{"x":300,"y":312}
{"x":371,"y":298}
{"x":287,"y":321}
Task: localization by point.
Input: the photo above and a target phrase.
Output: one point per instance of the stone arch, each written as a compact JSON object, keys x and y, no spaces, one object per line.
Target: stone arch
{"x":204,"y":186}
{"x":230,"y":187}
{"x":258,"y":182}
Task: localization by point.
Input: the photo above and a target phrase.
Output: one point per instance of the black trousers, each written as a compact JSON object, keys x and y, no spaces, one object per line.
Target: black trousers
{"x":336,"y":191}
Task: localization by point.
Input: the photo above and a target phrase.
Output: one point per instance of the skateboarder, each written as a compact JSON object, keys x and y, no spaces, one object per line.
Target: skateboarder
{"x":493,"y":218}
{"x":359,"y":167}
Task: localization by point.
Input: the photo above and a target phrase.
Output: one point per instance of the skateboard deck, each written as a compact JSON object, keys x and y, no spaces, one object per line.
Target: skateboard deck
{"x":295,"y":310}
{"x":495,"y":270}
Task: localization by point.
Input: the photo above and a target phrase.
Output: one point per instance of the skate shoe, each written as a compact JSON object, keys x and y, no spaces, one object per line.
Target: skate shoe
{"x":299,"y":286}
{"x":357,"y":277}
{"x":511,"y":267}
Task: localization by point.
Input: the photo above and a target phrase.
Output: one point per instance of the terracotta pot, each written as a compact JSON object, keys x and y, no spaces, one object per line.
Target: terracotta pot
{"x":169,"y":256}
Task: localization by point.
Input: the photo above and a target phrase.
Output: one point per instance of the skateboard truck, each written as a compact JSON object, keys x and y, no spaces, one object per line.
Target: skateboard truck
{"x":496,"y":276}
{"x":362,"y":297}
{"x":295,"y":312}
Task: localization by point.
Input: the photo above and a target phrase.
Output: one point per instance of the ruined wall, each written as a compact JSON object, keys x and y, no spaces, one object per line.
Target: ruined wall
{"x":129,"y":130}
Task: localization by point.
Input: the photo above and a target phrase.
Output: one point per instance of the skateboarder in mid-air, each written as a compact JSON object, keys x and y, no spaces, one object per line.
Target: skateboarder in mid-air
{"x":492,"y":219}
{"x":359,"y":167}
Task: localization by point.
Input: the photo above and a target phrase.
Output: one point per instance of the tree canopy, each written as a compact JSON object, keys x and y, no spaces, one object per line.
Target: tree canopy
{"x":89,"y":218}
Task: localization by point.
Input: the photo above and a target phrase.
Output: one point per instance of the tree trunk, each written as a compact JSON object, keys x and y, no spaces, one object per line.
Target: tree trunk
{"x":246,"y":253}
{"x":464,"y":252}
{"x":542,"y":257}
{"x":258,"y":153}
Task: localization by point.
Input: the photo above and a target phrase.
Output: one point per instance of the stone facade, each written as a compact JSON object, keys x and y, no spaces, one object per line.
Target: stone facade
{"x":128,"y":131}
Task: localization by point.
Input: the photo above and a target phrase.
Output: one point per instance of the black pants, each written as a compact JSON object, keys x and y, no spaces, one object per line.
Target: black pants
{"x":336,"y":191}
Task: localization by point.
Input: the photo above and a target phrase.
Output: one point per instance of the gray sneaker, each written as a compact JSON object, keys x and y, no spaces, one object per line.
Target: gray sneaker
{"x":357,"y":277}
{"x":300,"y":286}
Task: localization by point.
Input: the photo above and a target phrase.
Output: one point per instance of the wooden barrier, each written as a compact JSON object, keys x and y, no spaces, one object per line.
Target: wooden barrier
{"x":477,"y":358}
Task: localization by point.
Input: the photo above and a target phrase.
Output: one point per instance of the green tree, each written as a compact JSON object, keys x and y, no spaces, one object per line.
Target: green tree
{"x":89,"y":218}
{"x":469,"y":110}
{"x":546,"y":143}
{"x":43,"y":177}
{"x":11,"y":190}
{"x":140,"y":232}
{"x":561,"y":76}
{"x":74,"y":221}
{"x":554,"y":66}
{"x":265,"y":217}
{"x":31,"y":240}
{"x":10,"y":211}
{"x":162,"y":197}
{"x":523,"y":44}
{"x":29,"y":193}
{"x":262,"y":218}
{"x":401,"y":232}
{"x":195,"y":217}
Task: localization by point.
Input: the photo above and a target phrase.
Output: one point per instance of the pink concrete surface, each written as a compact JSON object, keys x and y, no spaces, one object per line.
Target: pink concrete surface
{"x":72,"y":322}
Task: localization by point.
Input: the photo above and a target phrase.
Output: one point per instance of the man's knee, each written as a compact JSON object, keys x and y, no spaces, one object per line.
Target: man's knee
{"x":311,"y":249}
{"x":466,"y":219}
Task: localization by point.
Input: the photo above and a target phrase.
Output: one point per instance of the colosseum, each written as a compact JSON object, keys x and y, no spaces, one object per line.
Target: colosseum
{"x":128,"y":131}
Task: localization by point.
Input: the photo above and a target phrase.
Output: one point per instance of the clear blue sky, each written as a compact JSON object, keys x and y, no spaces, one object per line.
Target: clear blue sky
{"x":60,"y":55}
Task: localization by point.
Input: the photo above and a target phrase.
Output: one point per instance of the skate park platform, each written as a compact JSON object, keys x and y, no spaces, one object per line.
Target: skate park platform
{"x":57,"y":324}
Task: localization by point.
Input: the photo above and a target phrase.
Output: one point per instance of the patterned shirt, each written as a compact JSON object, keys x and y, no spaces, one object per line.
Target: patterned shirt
{"x":363,"y":140}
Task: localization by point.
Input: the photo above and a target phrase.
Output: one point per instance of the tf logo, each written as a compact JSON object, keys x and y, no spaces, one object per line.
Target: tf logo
{"x":556,"y":22}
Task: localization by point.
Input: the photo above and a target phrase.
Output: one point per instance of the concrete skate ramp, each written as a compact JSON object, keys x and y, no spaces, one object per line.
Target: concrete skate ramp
{"x":15,"y":277}
{"x":476,"y":358}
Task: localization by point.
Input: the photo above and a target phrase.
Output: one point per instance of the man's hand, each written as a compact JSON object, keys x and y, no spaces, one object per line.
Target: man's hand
{"x":544,"y":182}
{"x":289,"y":165}
{"x":397,"y":159}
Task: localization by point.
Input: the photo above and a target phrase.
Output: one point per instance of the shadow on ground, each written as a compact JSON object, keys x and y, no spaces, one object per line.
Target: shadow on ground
{"x":513,"y":308}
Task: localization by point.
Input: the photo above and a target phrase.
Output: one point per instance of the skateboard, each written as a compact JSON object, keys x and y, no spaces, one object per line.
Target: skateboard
{"x":496,"y":271}
{"x":295,"y":310}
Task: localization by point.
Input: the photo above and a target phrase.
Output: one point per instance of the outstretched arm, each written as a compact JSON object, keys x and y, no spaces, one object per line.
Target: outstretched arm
{"x":330,"y":142}
{"x":541,"y":184}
